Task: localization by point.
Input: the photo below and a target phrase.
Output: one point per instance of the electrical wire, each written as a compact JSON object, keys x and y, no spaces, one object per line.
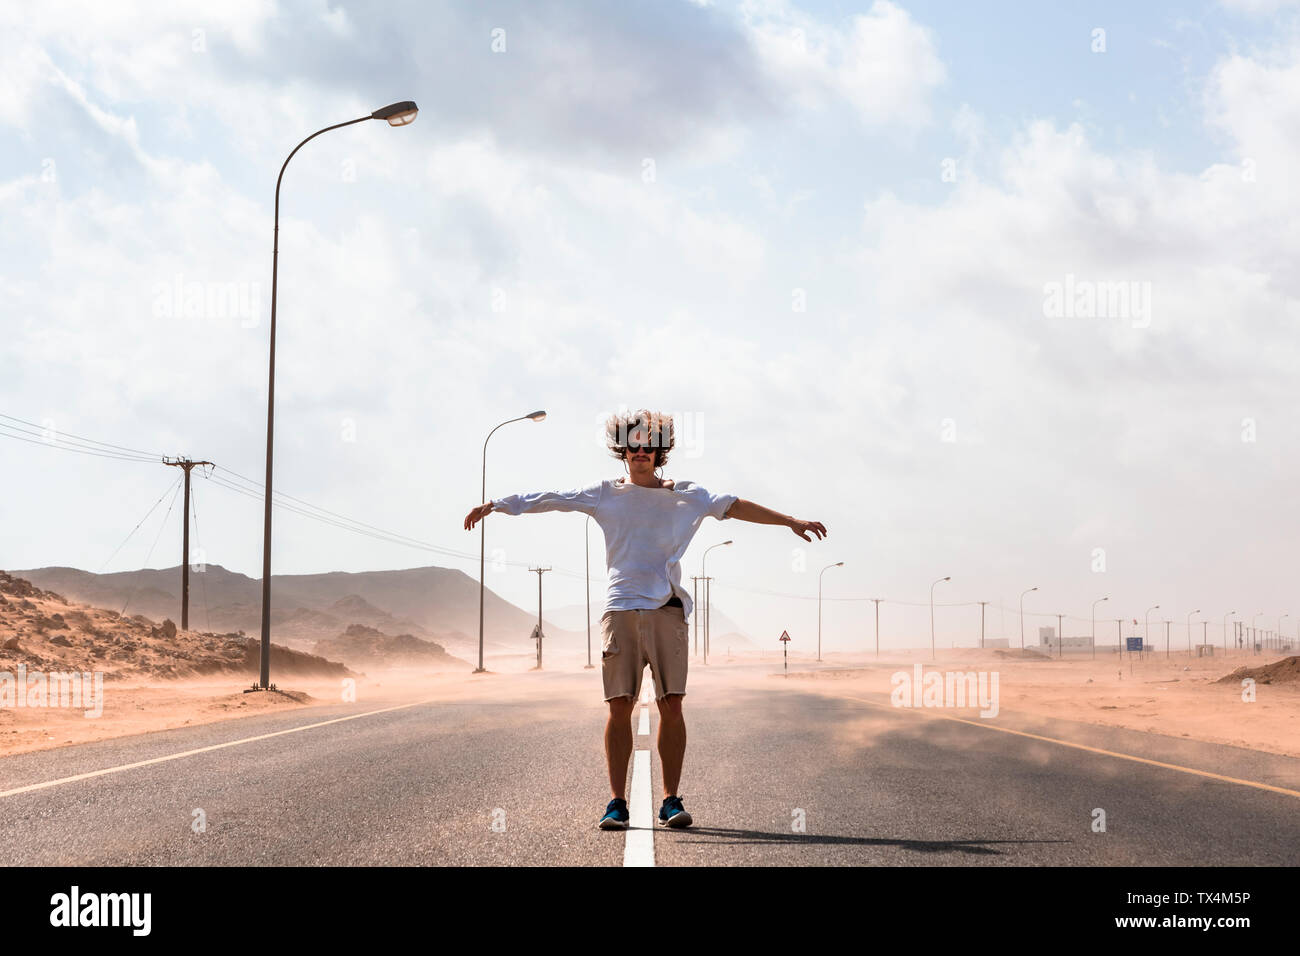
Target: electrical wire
{"x":137,"y":527}
{"x":357,"y":527}
{"x":282,"y":501}
{"x":151,"y":547}
{"x":79,"y":438}
{"x":69,"y":447}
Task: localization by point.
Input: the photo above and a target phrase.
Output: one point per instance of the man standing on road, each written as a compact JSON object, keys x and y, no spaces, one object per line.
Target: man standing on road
{"x":648,"y":523}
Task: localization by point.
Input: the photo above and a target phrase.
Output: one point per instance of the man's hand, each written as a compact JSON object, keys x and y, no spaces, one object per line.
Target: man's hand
{"x":478,"y":514}
{"x":802,"y":527}
{"x":749,"y":511}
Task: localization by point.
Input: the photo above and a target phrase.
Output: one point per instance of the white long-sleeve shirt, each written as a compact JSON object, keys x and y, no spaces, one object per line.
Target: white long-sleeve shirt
{"x":647,"y":531}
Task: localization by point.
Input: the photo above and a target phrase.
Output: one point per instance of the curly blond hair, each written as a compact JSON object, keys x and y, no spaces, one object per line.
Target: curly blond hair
{"x":643,"y":427}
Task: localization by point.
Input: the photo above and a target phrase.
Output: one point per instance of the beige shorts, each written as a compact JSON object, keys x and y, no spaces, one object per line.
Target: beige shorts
{"x":630,"y":640}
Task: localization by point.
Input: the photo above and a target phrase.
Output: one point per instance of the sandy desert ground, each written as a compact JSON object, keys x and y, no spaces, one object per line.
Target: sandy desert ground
{"x":1175,"y":696}
{"x":1179,"y":698}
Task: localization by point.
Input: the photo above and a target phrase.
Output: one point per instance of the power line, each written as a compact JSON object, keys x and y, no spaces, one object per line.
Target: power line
{"x":65,"y":446}
{"x":137,"y":527}
{"x":316,"y":513}
{"x":300,"y":507}
{"x":357,"y":527}
{"x":91,"y":441}
{"x":813,"y":597}
{"x":161,"y":527}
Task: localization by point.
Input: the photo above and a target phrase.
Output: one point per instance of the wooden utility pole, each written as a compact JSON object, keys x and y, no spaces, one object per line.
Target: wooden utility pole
{"x":982,"y":603}
{"x":538,"y":635}
{"x":186,"y":464}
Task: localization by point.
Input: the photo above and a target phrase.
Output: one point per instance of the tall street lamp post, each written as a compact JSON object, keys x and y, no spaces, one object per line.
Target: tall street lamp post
{"x":397,"y":114}
{"x":703,"y":563}
{"x":482,"y":537}
{"x":837,"y":564}
{"x":1094,"y":625}
{"x":940,"y":581}
{"x":1022,"y":616}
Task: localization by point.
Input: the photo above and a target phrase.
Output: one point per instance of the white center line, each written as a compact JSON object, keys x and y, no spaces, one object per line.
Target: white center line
{"x":639,"y":850}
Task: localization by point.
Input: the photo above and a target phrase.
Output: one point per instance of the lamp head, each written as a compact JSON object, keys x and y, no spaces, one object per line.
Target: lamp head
{"x":397,"y":114}
{"x":537,"y":416}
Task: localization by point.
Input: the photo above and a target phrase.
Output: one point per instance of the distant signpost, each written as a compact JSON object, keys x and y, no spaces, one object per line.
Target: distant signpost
{"x":1134,"y":646}
{"x":785,"y":652}
{"x":537,"y":636}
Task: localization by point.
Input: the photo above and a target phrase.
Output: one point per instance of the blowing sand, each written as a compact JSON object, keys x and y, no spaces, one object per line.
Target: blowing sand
{"x":1201,"y":699}
{"x":146,"y":707}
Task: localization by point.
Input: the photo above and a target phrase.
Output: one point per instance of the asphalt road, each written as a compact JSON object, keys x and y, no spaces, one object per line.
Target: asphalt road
{"x":776,"y":775}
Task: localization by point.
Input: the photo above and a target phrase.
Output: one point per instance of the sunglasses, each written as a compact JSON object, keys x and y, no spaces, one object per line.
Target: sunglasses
{"x":633,"y":447}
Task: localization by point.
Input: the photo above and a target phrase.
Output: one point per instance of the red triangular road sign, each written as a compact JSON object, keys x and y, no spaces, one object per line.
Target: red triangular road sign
{"x":785,"y":635}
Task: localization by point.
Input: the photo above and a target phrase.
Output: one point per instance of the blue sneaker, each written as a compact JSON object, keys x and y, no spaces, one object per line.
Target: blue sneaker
{"x":673,"y":814}
{"x":616,"y":816}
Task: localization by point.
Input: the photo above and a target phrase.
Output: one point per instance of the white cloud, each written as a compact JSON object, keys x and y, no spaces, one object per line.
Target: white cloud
{"x":616,"y":290}
{"x":884,"y":64}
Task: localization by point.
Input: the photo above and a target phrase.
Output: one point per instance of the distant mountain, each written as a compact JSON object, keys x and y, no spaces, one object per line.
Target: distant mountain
{"x":429,"y":603}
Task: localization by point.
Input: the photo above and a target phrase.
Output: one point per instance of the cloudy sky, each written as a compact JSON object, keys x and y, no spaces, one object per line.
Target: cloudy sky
{"x":992,"y":291}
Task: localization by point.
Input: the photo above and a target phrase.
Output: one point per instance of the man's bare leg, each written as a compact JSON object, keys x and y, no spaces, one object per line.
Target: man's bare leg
{"x":672,"y":741}
{"x":618,"y":744}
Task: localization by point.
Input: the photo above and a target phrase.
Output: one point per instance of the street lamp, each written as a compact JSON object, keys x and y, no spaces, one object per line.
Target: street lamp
{"x":837,"y":564}
{"x":1022,"y":617}
{"x":703,"y":562}
{"x":1225,"y":631}
{"x":482,"y":544}
{"x":940,"y":581}
{"x":1189,"y":631}
{"x":1146,"y":626}
{"x":398,"y":114}
{"x":1094,"y":625}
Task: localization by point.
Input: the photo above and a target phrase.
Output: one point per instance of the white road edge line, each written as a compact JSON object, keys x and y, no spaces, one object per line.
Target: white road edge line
{"x":200,"y":750}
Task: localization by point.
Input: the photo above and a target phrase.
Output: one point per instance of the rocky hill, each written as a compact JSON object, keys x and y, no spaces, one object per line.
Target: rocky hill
{"x":43,"y":631}
{"x":365,"y":647}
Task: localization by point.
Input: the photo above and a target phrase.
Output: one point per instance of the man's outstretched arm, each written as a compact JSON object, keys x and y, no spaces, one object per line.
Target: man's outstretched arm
{"x":575,"y":499}
{"x":751,"y":511}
